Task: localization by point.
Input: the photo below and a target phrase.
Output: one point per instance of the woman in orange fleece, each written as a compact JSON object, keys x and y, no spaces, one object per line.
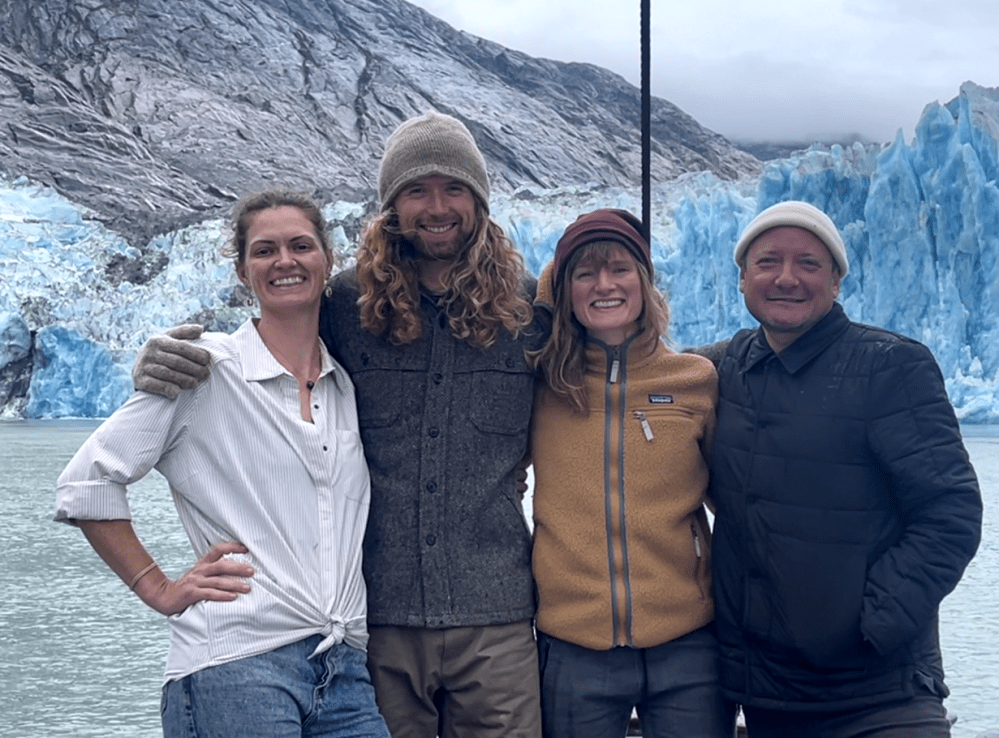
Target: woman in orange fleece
{"x":621,"y":430}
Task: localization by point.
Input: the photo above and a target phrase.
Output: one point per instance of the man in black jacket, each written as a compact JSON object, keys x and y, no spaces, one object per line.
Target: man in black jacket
{"x":847,"y":508}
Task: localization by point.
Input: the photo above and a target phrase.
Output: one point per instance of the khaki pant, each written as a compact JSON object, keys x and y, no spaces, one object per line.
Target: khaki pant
{"x":472,"y":682}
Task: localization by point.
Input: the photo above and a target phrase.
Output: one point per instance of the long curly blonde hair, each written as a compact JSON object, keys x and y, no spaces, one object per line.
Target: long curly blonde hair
{"x":562,"y":360}
{"x":484,"y":290}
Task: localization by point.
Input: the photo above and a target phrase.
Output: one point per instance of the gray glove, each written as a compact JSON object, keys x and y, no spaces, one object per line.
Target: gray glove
{"x":167,"y":364}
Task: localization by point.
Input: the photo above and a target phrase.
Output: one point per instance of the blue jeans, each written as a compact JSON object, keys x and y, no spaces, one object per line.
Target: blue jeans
{"x":278,"y":694}
{"x":673,"y":687}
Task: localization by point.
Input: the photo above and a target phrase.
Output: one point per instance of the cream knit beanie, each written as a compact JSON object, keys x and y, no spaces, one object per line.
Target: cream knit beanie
{"x":800,"y":215}
{"x":431,"y":144}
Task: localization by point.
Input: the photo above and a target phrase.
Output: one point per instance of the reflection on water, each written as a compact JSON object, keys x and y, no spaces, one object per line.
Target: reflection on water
{"x":81,"y":656}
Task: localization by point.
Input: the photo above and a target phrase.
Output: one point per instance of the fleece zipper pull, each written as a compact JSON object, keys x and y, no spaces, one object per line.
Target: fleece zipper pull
{"x":646,"y":428}
{"x":614,"y":368}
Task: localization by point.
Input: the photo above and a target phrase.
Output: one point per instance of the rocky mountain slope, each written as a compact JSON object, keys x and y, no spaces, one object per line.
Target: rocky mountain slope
{"x":158,"y":114}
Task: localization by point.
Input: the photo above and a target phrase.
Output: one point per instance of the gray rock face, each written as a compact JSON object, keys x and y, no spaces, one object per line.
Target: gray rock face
{"x":158,"y":114}
{"x":15,"y":361}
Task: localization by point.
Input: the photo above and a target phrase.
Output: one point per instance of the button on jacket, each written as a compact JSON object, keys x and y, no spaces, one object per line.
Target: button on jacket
{"x":444,"y":426}
{"x":847,"y":509}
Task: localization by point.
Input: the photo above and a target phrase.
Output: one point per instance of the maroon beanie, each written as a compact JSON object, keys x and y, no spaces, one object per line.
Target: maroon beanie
{"x":618,"y":226}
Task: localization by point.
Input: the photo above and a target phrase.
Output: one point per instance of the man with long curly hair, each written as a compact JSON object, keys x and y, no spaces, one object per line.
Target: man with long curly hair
{"x":432,"y":326}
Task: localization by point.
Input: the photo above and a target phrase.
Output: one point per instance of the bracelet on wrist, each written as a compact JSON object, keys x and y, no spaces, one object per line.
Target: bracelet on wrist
{"x":137,"y":577}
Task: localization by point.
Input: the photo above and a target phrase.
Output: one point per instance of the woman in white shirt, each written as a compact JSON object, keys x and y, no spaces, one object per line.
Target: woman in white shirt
{"x":267,"y":472}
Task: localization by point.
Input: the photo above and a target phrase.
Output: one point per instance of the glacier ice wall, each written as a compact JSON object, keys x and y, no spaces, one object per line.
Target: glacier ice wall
{"x":920,"y":220}
{"x":921,"y":225}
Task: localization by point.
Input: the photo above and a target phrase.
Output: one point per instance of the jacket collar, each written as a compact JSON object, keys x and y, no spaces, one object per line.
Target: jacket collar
{"x":635,"y":351}
{"x":806,"y":348}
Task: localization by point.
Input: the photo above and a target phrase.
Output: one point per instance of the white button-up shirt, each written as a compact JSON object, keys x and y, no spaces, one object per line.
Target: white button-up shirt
{"x":243,"y":466}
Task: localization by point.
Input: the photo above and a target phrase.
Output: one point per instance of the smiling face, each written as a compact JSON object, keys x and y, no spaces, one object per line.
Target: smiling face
{"x":789,"y":282}
{"x":436,"y":214}
{"x":607,"y":293}
{"x":284,"y":263}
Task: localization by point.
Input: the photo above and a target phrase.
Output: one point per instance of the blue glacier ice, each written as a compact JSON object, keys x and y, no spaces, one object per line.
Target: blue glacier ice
{"x":920,"y":220}
{"x":74,"y":376}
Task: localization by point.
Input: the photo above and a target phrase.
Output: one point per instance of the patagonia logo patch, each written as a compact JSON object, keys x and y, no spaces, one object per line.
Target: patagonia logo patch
{"x":661,"y":399}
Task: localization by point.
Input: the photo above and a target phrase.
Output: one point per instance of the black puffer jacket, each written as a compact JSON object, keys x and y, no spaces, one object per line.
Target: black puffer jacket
{"x":847,"y":509}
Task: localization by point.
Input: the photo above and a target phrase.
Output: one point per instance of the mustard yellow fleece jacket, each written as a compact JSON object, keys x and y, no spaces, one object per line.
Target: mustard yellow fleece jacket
{"x":621,"y":539}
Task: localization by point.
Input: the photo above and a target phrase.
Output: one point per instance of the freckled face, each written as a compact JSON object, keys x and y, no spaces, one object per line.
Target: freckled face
{"x":284,"y":264}
{"x":437,"y":214}
{"x":789,"y":282}
{"x":607,"y":296}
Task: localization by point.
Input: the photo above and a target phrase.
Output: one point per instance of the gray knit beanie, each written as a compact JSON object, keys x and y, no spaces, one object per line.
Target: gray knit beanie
{"x":431,"y":144}
{"x":800,"y":215}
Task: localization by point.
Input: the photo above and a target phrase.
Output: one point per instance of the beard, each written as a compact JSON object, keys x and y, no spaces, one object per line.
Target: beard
{"x":449,"y":250}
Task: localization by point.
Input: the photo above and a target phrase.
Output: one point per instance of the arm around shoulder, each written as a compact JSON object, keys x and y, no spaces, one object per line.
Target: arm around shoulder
{"x":711,"y":351}
{"x":167,"y":364}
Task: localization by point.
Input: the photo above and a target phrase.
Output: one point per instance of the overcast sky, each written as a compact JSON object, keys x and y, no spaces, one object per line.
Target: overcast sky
{"x":770,"y":69}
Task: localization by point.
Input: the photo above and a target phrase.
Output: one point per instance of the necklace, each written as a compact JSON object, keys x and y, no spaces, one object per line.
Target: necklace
{"x":313,"y":371}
